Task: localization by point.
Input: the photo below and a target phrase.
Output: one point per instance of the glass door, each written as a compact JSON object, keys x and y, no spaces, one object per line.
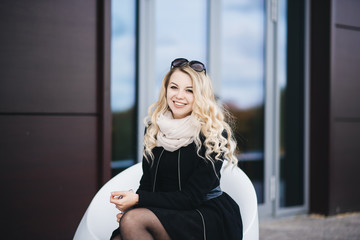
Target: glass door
{"x":290,"y":161}
{"x":123,"y":84}
{"x":244,"y":45}
{"x":243,"y":78}
{"x":268,"y":108}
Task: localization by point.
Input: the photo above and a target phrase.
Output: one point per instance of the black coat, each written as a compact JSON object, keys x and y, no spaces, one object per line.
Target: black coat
{"x":176,"y":188}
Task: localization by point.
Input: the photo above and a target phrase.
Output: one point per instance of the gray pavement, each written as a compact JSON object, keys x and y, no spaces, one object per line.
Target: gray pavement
{"x":312,"y":227}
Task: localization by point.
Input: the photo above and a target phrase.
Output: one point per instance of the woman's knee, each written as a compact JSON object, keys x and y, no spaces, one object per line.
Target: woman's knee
{"x":141,"y":222}
{"x":132,"y":219}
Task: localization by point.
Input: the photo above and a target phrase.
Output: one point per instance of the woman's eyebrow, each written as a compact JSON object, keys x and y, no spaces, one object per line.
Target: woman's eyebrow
{"x":178,"y":85}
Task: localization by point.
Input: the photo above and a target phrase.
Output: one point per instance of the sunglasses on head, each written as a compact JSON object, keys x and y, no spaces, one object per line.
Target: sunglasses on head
{"x":196,"y":65}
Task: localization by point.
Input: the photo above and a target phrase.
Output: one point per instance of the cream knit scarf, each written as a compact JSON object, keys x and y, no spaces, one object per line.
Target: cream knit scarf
{"x":176,"y":133}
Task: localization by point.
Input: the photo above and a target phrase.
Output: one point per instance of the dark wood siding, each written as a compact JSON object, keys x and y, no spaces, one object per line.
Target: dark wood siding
{"x":48,"y":56}
{"x":54,"y":114}
{"x":347,"y":12}
{"x":345,"y":107}
{"x":49,"y":165}
{"x":346,"y":73}
{"x":335,"y":108}
{"x":344,"y":195}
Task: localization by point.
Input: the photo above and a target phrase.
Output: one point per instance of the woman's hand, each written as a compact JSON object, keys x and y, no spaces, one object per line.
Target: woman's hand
{"x":119,"y":216}
{"x":124,"y":200}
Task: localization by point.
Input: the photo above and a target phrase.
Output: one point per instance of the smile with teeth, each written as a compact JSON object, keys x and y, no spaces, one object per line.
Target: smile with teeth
{"x":179,"y":104}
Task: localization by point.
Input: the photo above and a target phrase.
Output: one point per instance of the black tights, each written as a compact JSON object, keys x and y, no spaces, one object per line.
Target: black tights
{"x":141,"y":224}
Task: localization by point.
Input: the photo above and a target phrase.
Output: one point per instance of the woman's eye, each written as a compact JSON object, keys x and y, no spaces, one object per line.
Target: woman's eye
{"x":189,"y":90}
{"x":173,"y":87}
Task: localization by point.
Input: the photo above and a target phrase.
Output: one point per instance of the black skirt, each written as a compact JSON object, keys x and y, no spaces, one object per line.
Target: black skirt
{"x":216,"y":219}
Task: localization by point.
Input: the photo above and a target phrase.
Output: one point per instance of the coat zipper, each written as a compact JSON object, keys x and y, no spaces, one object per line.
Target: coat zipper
{"x":179,"y":170}
{"x":156,"y":170}
{"x":203,"y":222}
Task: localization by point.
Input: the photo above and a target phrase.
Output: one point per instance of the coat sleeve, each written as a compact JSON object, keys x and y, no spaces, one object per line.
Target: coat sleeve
{"x":202,"y":180}
{"x":145,"y":181}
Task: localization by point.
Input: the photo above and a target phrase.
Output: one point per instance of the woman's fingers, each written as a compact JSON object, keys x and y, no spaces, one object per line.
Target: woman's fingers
{"x":124,"y":200}
{"x":118,"y":216}
{"x":116,"y":196}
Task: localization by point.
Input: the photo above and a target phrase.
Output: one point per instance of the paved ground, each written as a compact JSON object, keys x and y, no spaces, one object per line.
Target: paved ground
{"x":312,"y":227}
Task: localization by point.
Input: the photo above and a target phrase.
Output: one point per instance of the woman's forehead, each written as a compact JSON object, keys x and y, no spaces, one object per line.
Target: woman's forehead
{"x":181,"y":79}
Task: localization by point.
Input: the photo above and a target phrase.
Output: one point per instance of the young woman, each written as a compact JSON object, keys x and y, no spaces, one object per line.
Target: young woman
{"x":186,"y":141}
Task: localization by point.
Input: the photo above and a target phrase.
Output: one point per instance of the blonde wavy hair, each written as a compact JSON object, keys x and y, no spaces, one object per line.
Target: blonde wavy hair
{"x":205,"y":108}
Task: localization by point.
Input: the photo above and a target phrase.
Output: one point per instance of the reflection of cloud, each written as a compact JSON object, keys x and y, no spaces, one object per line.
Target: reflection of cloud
{"x":181,"y":31}
{"x":243,"y":96}
{"x":119,"y":29}
{"x":243,"y":44}
{"x":282,"y":44}
{"x":123,"y":17}
{"x":241,"y":5}
{"x":185,"y":16}
{"x":244,"y":69}
{"x":123,"y":95}
{"x":122,"y":55}
{"x":122,"y":73}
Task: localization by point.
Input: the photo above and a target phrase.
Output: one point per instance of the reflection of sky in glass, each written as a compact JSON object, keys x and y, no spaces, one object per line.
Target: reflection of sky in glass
{"x":243,"y":44}
{"x":122,"y":54}
{"x":282,"y":25}
{"x":181,"y":31}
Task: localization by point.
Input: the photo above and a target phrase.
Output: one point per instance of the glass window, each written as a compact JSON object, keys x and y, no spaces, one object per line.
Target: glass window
{"x":123,"y":83}
{"x":243,"y":82}
{"x":291,"y":115}
{"x":181,"y":31}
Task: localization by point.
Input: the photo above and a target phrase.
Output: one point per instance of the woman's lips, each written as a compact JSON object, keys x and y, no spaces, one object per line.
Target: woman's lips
{"x":179,"y":104}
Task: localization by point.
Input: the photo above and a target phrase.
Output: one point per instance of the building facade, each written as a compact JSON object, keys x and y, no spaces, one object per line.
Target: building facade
{"x":77,"y":78}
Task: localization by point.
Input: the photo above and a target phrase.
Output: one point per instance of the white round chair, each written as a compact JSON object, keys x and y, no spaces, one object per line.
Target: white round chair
{"x":99,"y":219}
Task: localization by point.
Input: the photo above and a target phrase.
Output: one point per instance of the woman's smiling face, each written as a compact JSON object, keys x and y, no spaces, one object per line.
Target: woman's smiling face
{"x":179,"y":94}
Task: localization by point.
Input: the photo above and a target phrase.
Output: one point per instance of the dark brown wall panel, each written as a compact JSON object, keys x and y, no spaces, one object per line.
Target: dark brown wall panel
{"x":347,"y":12}
{"x":344,"y":194}
{"x":346,"y":73}
{"x":345,"y":108}
{"x":48,"y":56}
{"x":48,"y":171}
{"x":319,"y":105}
{"x":54,"y":107}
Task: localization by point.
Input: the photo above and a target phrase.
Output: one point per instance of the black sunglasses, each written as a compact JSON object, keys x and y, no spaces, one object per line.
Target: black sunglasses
{"x":196,"y":65}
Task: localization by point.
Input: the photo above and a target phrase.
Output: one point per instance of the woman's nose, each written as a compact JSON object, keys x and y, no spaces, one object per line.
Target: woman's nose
{"x":180,"y":94}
